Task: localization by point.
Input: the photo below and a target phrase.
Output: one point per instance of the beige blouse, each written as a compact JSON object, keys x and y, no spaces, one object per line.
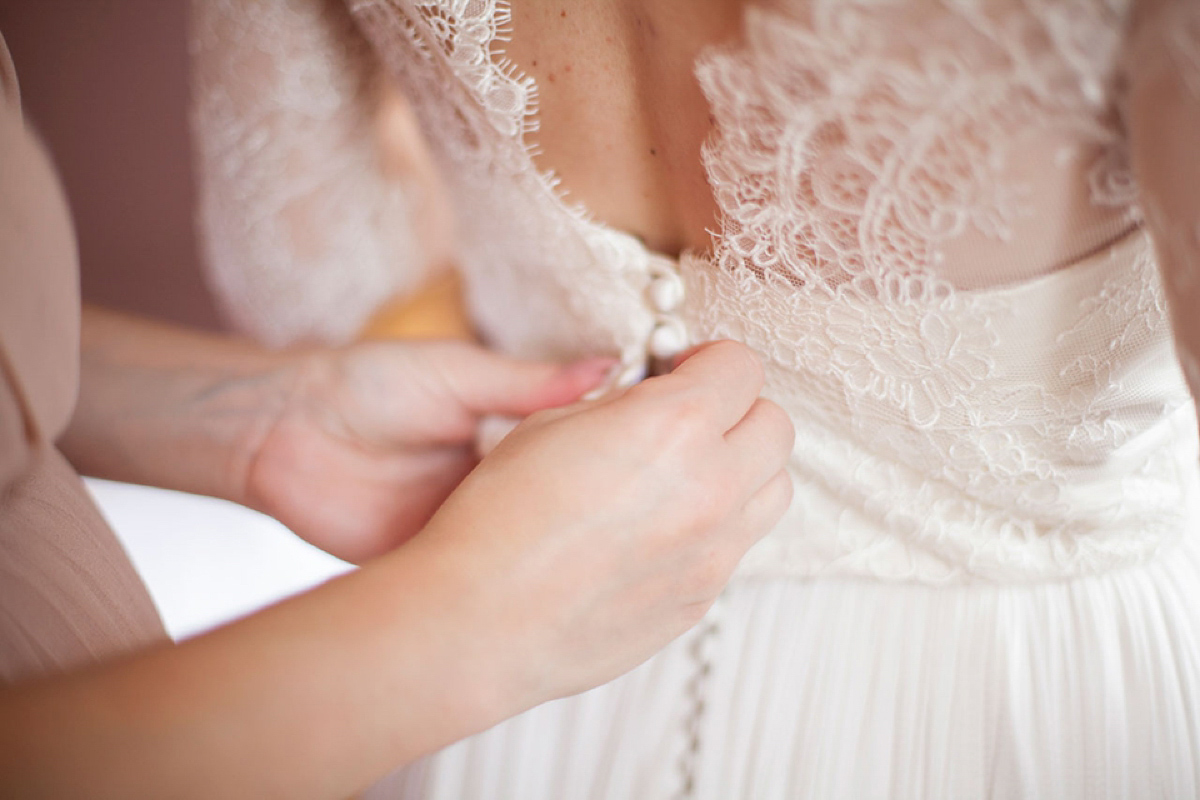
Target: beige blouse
{"x":69,"y":595}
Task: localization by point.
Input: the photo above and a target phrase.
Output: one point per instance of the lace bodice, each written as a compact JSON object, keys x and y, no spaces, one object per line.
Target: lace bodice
{"x":929,"y":228}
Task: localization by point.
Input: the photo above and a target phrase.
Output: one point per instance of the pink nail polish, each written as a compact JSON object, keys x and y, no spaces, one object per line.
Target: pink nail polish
{"x":591,"y":370}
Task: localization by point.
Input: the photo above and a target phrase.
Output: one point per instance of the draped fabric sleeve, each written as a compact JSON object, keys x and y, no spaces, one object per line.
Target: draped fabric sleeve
{"x":305,"y":229}
{"x":1163,"y":115}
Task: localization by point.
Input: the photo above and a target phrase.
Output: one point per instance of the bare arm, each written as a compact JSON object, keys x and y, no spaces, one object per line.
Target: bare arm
{"x":151,"y":392}
{"x":588,"y":539}
{"x":312,"y":698}
{"x":353,"y":448}
{"x":1164,"y":120}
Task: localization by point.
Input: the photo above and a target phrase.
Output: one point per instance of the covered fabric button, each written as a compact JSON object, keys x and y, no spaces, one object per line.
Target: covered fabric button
{"x":666,"y":293}
{"x":632,"y":374}
{"x":668,"y":339}
{"x":632,"y":370}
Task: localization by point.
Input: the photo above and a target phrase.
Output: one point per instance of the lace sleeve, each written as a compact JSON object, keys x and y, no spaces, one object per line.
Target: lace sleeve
{"x":306,"y":229}
{"x":1164,"y":121}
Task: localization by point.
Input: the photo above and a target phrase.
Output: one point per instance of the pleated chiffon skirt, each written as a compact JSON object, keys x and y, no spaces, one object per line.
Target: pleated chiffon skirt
{"x":851,"y":688}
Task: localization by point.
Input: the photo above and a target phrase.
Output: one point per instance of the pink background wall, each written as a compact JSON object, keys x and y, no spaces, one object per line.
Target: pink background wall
{"x":105,"y":81}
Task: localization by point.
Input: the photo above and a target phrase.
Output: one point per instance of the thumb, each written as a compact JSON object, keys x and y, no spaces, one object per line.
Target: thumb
{"x":489,"y":383}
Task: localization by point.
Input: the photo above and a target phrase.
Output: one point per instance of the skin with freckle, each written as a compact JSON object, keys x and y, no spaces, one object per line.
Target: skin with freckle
{"x":622,"y":117}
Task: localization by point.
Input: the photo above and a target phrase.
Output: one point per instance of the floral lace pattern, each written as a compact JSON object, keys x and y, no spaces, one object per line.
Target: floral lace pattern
{"x":987,"y":459}
{"x":522,"y":300}
{"x":879,"y":167}
{"x":843,"y":157}
{"x":929,"y":230}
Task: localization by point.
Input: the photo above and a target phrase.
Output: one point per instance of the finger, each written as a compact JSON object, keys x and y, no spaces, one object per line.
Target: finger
{"x":728,"y":376}
{"x":759,"y":445}
{"x":686,"y":354}
{"x":549,"y":415}
{"x":489,"y":383}
{"x":763,"y":510}
{"x":492,"y":430}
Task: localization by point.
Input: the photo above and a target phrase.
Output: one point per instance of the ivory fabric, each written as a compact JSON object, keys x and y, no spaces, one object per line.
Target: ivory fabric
{"x":846,"y":688}
{"x":69,"y":596}
{"x":953,"y":229}
{"x":930,"y":231}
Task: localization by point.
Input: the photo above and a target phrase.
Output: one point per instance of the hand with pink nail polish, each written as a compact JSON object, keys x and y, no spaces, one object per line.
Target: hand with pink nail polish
{"x":594,"y":534}
{"x":597,"y":532}
{"x":371,"y":439}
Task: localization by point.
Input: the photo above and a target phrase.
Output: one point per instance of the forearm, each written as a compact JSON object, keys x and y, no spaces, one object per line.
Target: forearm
{"x":167,"y":407}
{"x":642,"y":505}
{"x":316,"y":697}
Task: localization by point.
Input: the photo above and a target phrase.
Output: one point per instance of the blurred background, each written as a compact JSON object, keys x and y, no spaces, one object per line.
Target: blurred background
{"x":105,"y":82}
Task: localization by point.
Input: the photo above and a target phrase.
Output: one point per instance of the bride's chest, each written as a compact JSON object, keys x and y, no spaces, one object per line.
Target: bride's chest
{"x":871,"y":172}
{"x":947,"y":129}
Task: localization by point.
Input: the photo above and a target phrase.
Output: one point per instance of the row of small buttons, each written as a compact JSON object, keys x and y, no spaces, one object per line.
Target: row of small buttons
{"x":667,"y":339}
{"x":665,"y":293}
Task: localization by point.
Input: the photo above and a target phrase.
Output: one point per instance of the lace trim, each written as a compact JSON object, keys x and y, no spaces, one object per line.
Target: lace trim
{"x":839,"y":162}
{"x":465,"y":34}
{"x":966,"y":449}
{"x":983,"y":461}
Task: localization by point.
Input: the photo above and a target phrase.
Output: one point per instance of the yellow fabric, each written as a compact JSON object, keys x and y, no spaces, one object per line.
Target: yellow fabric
{"x":436,"y":311}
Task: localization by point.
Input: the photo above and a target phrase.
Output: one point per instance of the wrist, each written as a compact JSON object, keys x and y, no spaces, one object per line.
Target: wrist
{"x":500,"y":660}
{"x":276,"y":397}
{"x":168,"y":407}
{"x":445,"y":612}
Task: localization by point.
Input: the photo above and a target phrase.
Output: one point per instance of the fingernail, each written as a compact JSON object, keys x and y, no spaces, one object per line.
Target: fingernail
{"x":591,"y":370}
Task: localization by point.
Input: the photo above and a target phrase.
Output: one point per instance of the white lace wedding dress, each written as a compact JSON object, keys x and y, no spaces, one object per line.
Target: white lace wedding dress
{"x":989,"y":582}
